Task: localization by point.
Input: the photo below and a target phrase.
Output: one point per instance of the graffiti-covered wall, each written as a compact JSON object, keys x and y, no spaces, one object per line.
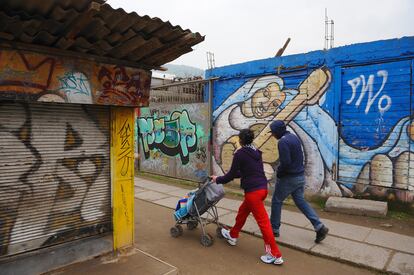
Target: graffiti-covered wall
{"x":173,"y":140}
{"x":352,"y":108}
{"x":37,"y":77}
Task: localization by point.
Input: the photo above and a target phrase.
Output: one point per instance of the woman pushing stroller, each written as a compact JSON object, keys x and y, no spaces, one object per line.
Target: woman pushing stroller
{"x":248,"y":166}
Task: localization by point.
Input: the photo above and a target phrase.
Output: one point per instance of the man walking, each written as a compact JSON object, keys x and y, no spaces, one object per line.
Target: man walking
{"x":291,"y":180}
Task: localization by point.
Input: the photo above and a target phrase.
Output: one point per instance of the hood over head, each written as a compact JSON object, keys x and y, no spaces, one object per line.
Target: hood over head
{"x":278,"y":128}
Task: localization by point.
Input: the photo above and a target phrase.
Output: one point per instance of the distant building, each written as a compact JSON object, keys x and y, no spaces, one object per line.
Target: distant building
{"x":168,"y":88}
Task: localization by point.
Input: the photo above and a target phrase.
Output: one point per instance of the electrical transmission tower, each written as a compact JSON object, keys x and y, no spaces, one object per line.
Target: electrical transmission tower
{"x":329,"y":32}
{"x":210,"y":60}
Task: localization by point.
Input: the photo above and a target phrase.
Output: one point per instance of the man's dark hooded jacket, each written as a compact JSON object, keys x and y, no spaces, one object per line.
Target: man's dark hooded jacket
{"x":248,"y":166}
{"x":290,"y":151}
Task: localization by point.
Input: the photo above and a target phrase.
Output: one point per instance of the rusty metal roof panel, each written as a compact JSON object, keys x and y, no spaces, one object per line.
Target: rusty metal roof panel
{"x":94,"y":27}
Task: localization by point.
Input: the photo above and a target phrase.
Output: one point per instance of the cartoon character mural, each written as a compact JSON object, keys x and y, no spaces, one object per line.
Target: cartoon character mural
{"x":263,"y":99}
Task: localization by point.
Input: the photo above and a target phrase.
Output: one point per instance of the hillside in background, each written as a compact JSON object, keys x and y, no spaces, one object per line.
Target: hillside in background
{"x":184,"y":71}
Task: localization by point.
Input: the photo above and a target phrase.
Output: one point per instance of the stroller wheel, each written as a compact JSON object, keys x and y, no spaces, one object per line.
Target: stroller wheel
{"x":206,"y":240}
{"x":218,"y":232}
{"x":191,"y":225}
{"x":176,"y":231}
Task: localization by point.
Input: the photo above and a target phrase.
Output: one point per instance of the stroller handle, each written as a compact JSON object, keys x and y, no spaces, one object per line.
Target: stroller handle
{"x":205,"y":182}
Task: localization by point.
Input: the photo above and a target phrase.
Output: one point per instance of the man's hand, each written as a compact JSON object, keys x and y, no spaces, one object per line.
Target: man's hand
{"x":213,"y":178}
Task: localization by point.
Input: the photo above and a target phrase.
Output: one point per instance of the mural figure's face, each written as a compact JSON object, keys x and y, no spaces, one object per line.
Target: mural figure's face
{"x":265,"y":102}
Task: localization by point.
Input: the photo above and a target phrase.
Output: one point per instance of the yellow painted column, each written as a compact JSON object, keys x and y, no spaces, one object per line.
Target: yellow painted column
{"x":122,"y":173}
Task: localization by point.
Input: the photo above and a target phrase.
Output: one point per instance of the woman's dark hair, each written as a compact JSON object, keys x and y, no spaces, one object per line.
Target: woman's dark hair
{"x":246,"y":137}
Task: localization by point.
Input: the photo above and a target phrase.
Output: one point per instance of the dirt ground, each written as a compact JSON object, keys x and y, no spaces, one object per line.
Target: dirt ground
{"x":152,"y":236}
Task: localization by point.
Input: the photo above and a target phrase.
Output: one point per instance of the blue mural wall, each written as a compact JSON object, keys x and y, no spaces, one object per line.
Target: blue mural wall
{"x":352,"y":108}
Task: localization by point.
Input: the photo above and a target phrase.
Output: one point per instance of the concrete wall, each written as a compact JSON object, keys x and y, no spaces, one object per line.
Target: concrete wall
{"x":351,"y":106}
{"x":173,"y":140}
{"x":30,"y":76}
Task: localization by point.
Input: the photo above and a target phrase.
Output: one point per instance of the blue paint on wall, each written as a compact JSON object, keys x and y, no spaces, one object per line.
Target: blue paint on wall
{"x":365,"y":111}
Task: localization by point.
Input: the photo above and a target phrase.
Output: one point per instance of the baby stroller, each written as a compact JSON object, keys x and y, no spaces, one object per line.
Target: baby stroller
{"x":190,"y":209}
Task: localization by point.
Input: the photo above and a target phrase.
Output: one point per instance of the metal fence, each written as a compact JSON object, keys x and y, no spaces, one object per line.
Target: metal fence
{"x":179,"y":92}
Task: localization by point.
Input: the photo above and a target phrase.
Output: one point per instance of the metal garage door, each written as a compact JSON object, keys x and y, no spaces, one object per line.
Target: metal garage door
{"x":54,"y":174}
{"x":375,"y":127}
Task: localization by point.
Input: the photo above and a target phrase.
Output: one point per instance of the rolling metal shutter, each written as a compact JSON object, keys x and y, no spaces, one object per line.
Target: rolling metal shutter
{"x":54,"y":174}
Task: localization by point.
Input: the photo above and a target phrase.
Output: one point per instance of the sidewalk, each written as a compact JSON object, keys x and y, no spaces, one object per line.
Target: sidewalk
{"x":363,"y":246}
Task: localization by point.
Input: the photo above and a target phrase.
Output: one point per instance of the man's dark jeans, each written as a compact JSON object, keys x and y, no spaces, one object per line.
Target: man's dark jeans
{"x":295,"y":186}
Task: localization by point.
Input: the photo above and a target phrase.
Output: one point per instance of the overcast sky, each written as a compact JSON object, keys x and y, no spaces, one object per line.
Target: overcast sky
{"x":243,"y":30}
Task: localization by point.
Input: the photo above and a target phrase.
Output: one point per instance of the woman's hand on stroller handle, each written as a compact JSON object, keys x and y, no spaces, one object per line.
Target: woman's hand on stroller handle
{"x":212,"y":178}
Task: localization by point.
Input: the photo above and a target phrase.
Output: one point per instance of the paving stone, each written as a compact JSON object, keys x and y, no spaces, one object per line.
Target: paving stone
{"x":402,"y":263}
{"x":299,"y":238}
{"x":155,"y":186}
{"x":220,"y":212}
{"x":170,"y":202}
{"x":228,"y":219}
{"x":163,"y":188}
{"x":391,"y":240}
{"x":179,"y":192}
{"x":229,"y":204}
{"x":251,"y":225}
{"x":294,"y":218}
{"x":345,"y":230}
{"x":360,"y":253}
{"x":139,"y":190}
{"x":291,"y":217}
{"x":150,"y":196}
{"x":142,"y":182}
{"x":357,"y":206}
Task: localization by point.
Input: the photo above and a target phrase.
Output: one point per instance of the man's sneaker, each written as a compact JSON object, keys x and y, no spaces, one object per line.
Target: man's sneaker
{"x":226,"y":235}
{"x":276,"y":233}
{"x":269,"y":259}
{"x":321,"y":234}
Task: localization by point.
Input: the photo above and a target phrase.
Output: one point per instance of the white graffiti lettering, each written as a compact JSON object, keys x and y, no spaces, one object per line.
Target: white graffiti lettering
{"x":384,"y":102}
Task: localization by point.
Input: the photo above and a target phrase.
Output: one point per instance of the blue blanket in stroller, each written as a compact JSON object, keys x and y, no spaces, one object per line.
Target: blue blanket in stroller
{"x":183,"y":206}
{"x":204,"y":197}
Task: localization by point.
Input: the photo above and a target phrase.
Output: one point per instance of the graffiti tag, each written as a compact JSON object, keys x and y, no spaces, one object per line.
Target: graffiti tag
{"x":124,"y":156}
{"x":384,"y":102}
{"x":123,"y":86}
{"x":75,"y":83}
{"x":172,"y":136}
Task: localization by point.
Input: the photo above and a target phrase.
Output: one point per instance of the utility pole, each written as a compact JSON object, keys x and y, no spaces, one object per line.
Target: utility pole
{"x":329,"y":32}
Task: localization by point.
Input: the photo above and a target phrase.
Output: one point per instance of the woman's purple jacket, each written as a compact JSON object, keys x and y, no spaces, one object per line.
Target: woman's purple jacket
{"x":248,"y":166}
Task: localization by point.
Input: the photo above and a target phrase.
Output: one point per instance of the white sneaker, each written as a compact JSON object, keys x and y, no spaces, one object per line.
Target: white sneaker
{"x":269,"y":259}
{"x":226,"y":235}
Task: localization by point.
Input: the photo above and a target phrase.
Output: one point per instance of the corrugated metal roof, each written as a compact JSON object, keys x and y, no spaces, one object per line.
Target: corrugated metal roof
{"x":94,"y":27}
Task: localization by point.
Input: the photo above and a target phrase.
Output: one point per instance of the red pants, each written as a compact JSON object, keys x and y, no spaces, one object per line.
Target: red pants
{"x":253,"y":202}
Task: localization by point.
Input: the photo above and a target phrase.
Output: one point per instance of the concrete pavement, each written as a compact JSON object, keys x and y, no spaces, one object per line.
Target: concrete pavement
{"x":363,"y":246}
